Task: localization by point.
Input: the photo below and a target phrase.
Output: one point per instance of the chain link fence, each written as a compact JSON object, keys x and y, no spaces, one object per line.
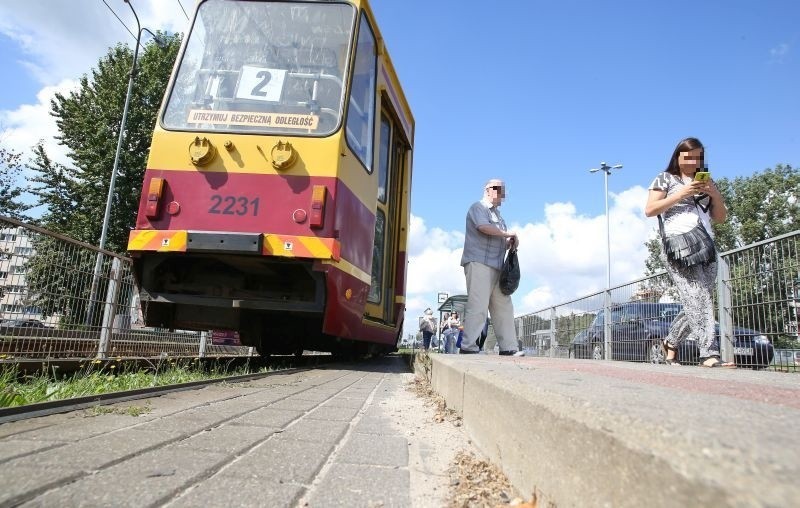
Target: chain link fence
{"x":60,"y":298}
{"x":757,"y":307}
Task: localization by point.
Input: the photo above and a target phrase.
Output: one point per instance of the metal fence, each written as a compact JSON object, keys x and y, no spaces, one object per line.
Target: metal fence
{"x":757,"y":306}
{"x":60,"y":298}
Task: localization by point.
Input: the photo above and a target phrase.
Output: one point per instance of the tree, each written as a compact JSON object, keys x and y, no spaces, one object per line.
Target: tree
{"x":58,"y":187}
{"x":653,"y":265}
{"x":59,"y":274}
{"x":89,"y":123}
{"x":760,"y":206}
{"x":10,"y":190}
{"x":570,"y":325}
{"x":56,"y":271}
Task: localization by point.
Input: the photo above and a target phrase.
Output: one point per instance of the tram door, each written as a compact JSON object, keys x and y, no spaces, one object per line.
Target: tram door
{"x":391,"y":169}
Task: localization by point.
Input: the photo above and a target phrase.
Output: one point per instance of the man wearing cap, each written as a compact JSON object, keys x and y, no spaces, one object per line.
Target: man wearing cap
{"x":485,"y":244}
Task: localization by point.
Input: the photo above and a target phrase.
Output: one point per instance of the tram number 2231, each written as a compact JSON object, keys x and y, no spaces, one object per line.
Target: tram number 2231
{"x":233,"y":205}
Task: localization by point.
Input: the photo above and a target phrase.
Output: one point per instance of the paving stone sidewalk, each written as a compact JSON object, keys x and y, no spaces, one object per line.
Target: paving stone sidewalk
{"x":315,"y":438}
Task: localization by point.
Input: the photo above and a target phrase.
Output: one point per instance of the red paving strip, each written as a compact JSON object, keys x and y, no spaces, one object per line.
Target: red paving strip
{"x":743,"y":390}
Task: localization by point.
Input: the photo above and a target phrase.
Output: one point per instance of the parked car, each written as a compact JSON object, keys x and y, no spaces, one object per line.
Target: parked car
{"x":22,"y":323}
{"x":638,"y":329}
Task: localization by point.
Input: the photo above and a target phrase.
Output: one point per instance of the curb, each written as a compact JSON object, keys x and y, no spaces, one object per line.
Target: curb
{"x":570,"y":451}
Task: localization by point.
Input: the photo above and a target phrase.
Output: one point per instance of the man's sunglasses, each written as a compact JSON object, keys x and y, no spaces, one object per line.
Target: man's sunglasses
{"x":496,"y":187}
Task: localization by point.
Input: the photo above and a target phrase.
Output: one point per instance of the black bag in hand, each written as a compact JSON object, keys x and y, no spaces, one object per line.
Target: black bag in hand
{"x":509,"y":275}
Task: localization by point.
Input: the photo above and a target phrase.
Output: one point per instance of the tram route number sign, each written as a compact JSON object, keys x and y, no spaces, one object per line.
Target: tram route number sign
{"x":260,"y":84}
{"x":443,"y":297}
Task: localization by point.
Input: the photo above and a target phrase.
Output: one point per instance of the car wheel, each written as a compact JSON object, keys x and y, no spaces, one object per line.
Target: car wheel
{"x":597,"y":352}
{"x":655,"y":354}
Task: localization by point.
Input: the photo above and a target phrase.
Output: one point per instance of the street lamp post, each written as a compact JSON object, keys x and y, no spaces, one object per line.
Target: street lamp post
{"x":112,"y":183}
{"x":606,"y":169}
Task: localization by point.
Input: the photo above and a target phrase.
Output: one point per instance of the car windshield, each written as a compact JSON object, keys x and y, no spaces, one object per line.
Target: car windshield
{"x":272,"y":67}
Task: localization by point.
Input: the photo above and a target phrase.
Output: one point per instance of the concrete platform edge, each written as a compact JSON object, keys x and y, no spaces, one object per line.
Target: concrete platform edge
{"x":559,"y":459}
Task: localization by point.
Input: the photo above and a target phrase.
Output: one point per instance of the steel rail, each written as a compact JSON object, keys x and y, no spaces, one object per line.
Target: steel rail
{"x":16,"y":413}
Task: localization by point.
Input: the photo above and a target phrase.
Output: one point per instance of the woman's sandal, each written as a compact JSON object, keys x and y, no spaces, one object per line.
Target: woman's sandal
{"x":667,"y":349}
{"x":717,"y":363}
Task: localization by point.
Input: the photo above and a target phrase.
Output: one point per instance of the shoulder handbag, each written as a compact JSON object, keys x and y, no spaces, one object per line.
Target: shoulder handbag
{"x":692,"y":248}
{"x":509,"y":275}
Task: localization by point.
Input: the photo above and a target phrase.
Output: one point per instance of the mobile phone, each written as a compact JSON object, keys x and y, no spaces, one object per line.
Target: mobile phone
{"x":702,"y":176}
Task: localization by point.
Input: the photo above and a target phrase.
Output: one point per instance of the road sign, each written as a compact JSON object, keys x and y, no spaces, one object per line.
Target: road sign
{"x":443,"y":297}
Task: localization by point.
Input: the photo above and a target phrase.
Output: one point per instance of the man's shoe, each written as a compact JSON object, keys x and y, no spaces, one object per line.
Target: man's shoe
{"x":513,"y":352}
{"x":467,"y":352}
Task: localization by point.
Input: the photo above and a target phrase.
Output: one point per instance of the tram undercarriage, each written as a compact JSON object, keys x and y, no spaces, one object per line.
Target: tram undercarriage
{"x":276,"y":305}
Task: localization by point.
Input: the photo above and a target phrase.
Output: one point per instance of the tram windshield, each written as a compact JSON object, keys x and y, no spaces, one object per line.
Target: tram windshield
{"x":263,"y":67}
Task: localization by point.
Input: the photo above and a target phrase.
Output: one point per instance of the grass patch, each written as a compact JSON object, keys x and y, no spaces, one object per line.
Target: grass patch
{"x":48,"y":386}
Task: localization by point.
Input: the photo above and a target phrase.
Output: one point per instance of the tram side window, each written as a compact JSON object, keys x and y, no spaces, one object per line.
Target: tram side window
{"x":383,"y":161}
{"x":376,"y":288}
{"x":361,"y":110}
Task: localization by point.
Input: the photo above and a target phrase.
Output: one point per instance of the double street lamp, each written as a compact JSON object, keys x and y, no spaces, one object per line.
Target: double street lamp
{"x":112,"y":183}
{"x":605,"y":168}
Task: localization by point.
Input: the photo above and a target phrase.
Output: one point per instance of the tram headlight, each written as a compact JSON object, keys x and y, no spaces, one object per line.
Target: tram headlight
{"x":154,"y":191}
{"x":201,"y":151}
{"x":318,"y":198}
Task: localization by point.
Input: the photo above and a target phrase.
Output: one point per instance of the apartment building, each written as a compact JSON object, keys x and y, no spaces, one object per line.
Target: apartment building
{"x":15,"y":299}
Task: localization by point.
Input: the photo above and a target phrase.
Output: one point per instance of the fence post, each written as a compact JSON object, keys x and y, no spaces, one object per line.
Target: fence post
{"x":724,"y":310}
{"x":203,"y":341}
{"x":520,"y":333}
{"x":110,"y":308}
{"x":607,"y":327}
{"x":553,"y":331}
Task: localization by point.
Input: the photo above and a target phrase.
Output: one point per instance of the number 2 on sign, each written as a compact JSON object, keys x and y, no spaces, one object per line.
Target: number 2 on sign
{"x":258,"y":90}
{"x":233,"y":205}
{"x":260,"y":84}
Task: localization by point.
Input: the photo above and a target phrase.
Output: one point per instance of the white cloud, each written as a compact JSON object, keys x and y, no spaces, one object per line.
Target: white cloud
{"x":60,"y":42}
{"x":64,"y":40}
{"x":561,"y":258}
{"x":30,"y":123}
{"x":434,"y":262}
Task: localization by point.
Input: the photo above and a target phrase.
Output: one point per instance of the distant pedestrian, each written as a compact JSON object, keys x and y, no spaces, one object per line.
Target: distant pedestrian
{"x":450,"y":332}
{"x":428,"y":327}
{"x":486,"y":240}
{"x":687,"y":204}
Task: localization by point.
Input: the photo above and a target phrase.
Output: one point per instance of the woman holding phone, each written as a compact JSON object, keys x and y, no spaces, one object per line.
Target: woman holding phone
{"x":687,"y":202}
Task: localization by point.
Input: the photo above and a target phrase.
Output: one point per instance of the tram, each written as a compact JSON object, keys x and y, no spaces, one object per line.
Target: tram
{"x":275,"y":199}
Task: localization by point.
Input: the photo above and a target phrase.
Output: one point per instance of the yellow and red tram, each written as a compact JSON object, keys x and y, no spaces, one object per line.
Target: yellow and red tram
{"x":276,"y":195}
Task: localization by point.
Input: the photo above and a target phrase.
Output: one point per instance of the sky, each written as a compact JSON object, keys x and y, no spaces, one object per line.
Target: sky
{"x":535,"y":93}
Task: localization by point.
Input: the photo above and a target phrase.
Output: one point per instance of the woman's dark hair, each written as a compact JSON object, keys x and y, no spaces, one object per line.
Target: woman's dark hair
{"x":685,"y":145}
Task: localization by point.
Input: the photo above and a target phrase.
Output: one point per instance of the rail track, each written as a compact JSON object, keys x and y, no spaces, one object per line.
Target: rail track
{"x":283,"y":365}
